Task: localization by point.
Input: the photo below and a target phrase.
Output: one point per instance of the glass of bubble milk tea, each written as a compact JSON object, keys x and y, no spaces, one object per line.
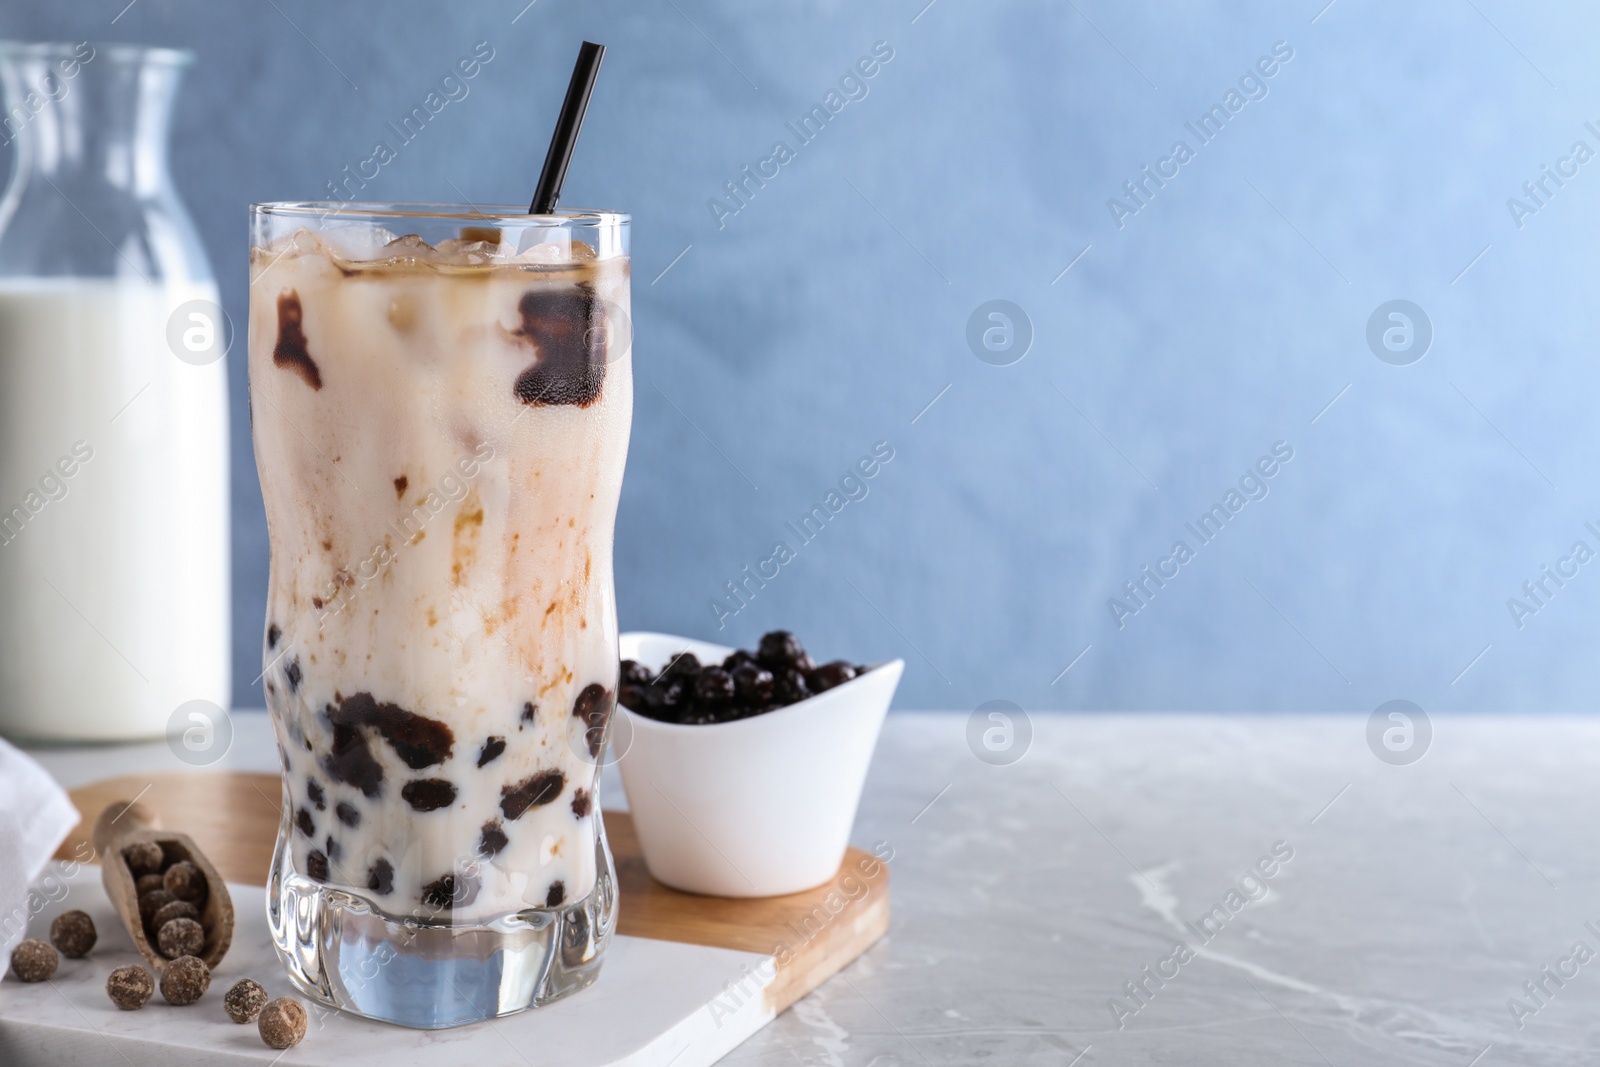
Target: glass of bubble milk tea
{"x":440,"y":404}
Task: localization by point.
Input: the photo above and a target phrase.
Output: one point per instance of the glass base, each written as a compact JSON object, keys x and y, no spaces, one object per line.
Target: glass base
{"x":343,"y":950}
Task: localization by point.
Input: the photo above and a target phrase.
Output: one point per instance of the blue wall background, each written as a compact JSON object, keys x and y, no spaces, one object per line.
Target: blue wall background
{"x":826,"y":314}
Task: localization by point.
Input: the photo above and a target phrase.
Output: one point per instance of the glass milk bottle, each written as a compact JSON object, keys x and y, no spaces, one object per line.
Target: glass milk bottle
{"x":113,"y":407}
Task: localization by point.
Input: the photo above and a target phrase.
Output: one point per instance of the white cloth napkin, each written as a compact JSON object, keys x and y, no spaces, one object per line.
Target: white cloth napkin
{"x":35,"y":817}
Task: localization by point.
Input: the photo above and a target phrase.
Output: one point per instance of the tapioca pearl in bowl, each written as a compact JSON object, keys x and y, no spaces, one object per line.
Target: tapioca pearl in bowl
{"x":755,"y":806}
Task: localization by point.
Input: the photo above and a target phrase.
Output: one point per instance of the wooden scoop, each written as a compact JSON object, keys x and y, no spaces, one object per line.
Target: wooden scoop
{"x":122,"y":824}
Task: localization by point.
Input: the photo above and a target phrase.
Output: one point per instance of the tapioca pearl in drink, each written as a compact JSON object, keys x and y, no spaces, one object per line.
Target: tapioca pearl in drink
{"x":566,"y":327}
{"x":492,"y":839}
{"x":492,"y":748}
{"x":428,"y":794}
{"x":347,"y":814}
{"x":316,"y":866}
{"x":451,"y":891}
{"x":582,"y":802}
{"x":593,"y":708}
{"x":350,"y":760}
{"x":305,"y":823}
{"x":291,"y":351}
{"x":380,"y":877}
{"x":556,"y":895}
{"x":418,"y":740}
{"x":531,"y":792}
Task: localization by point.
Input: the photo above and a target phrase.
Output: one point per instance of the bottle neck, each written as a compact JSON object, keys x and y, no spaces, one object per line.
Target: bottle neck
{"x":90,"y":121}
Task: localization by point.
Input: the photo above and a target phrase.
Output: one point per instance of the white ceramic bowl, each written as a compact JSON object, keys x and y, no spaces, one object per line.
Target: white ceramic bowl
{"x":756,"y":807}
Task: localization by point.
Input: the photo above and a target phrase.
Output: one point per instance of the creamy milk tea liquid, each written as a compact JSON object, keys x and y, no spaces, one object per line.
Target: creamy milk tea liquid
{"x":440,"y":432}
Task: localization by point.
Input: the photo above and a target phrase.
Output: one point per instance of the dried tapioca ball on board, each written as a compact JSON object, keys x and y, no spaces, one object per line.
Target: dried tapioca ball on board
{"x":244,"y":1001}
{"x":130,"y":987}
{"x":33,"y":961}
{"x":185,"y":980}
{"x":282,"y":1023}
{"x":73,"y":933}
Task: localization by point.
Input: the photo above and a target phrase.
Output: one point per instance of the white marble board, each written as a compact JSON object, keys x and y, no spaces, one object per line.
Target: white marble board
{"x":652,"y":1007}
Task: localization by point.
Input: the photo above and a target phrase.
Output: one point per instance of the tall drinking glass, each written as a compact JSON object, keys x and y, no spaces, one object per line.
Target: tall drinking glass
{"x":440,"y":403}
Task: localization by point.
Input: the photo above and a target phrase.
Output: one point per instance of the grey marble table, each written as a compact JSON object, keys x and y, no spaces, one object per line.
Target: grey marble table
{"x":1203,"y":889}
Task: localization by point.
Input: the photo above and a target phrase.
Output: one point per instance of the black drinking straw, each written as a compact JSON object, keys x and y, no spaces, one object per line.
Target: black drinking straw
{"x":567,"y":127}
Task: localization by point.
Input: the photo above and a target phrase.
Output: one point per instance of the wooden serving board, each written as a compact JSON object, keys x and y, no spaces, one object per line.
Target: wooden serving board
{"x":233,"y":818}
